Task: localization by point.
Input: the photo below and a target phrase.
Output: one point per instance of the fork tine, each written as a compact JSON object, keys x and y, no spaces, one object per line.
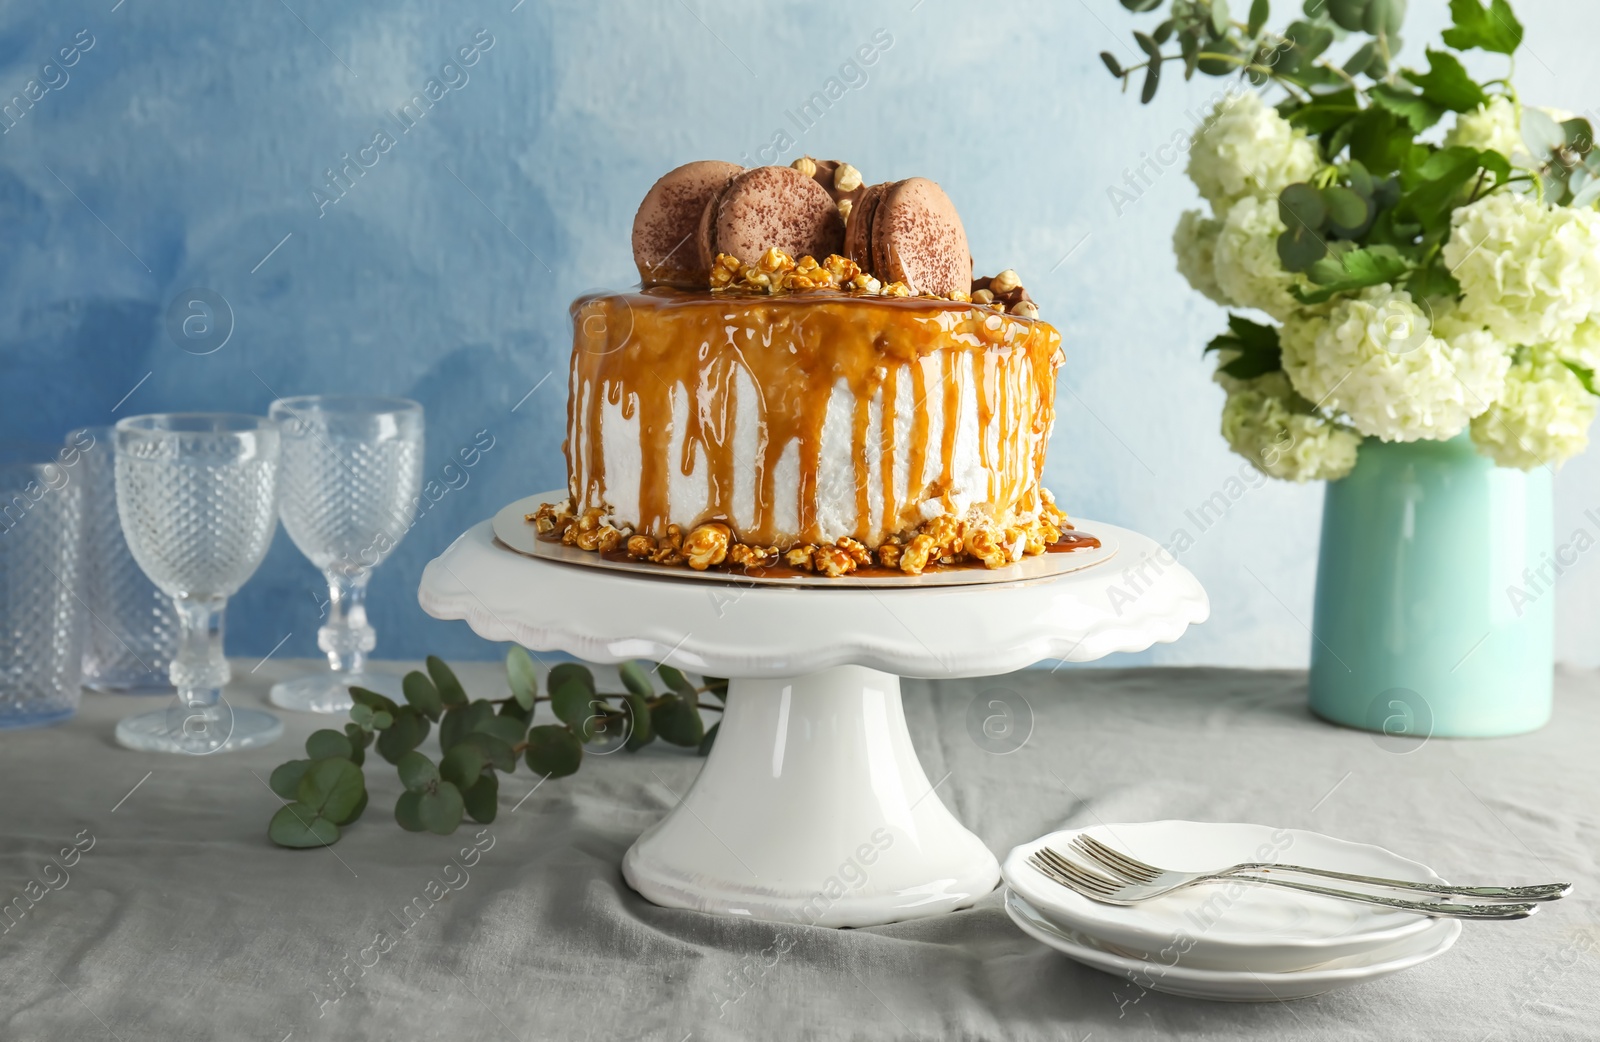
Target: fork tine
{"x":1086,"y":877}
{"x":1080,"y":883}
{"x":1126,"y":863}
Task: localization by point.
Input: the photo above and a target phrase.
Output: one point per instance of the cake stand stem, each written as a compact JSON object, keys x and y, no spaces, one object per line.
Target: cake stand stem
{"x":813,"y":809}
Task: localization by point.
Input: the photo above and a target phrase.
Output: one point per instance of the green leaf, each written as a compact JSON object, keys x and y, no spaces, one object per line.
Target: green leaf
{"x":523,"y":678}
{"x":1152,"y":81}
{"x":417,"y":772}
{"x":1542,"y":134}
{"x":1256,"y":345}
{"x":482,"y":800}
{"x":1433,"y":280}
{"x":382,"y":719}
{"x":299,"y":826}
{"x":1416,"y":109}
{"x":1327,"y":111}
{"x":554,"y":751}
{"x":1379,"y":140}
{"x":571,"y":690}
{"x":1219,"y":17}
{"x":1357,"y":269}
{"x":407,"y":812}
{"x":444,"y":678}
{"x":716,"y":687}
{"x":709,"y":739}
{"x":1446,"y":83}
{"x":500,"y":755}
{"x":1585,"y":376}
{"x":636,"y":679}
{"x":440,"y":810}
{"x":1111,"y":63}
{"x":361,"y":716}
{"x":675,"y":680}
{"x":331,"y":787}
{"x":1302,"y":205}
{"x":507,"y":729}
{"x":1363,"y":60}
{"x":1299,"y":248}
{"x":1218,"y":66}
{"x":325,"y":744}
{"x":285,"y":779}
{"x":1163,"y":32}
{"x":1348,"y":212}
{"x":372,"y":700}
{"x":1493,"y":28}
{"x":356,"y":811}
{"x":405,"y":734}
{"x":1259,"y":10}
{"x":460,"y":721}
{"x":1384,"y":16}
{"x":422,"y":695}
{"x":1347,"y":14}
{"x":1140,"y":6}
{"x":678,"y":721}
{"x":640,"y":733}
{"x":462,"y":766}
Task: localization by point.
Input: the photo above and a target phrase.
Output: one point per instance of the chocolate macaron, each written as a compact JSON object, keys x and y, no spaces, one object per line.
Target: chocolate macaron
{"x":858,"y":229}
{"x":770,"y":206}
{"x":916,"y":237}
{"x":664,"y":246}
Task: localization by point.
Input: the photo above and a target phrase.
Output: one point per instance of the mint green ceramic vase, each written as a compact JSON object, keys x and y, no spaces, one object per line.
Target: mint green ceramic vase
{"x":1435,"y":608}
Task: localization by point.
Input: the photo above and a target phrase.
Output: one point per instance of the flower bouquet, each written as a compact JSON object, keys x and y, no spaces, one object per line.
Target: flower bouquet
{"x":1428,"y":250}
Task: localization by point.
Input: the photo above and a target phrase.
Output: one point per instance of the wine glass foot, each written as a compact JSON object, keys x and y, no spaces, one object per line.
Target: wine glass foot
{"x":198,"y":731}
{"x":330,"y":692}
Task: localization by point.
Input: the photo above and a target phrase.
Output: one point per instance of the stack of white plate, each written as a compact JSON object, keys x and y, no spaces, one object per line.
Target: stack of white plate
{"x":1232,"y":941}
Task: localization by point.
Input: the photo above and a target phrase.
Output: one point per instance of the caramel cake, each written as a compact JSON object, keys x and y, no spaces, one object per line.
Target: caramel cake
{"x":849,"y":398}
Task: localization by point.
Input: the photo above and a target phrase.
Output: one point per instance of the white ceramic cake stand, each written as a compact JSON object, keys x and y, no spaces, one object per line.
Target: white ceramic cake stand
{"x":812,"y":806}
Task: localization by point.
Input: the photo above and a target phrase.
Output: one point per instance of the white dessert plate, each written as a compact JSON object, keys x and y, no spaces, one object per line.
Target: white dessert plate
{"x":516,"y":533}
{"x":1228,"y":926}
{"x":1179,"y":978}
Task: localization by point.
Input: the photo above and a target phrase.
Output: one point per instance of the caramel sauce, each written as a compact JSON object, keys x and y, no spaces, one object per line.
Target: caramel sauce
{"x":671,"y":357}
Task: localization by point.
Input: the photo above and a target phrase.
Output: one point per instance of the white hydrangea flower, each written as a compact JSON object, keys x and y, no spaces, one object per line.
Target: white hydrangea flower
{"x":1583,"y":347}
{"x":1496,"y":125}
{"x":1527,"y":271}
{"x":1267,"y":423}
{"x":1247,"y":264}
{"x":1375,"y":359}
{"x":1542,"y":417}
{"x":1245,"y":148}
{"x":1195,"y":243}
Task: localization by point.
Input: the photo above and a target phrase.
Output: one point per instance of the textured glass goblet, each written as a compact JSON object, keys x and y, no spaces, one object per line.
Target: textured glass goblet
{"x":352,"y":470}
{"x":197,"y":495}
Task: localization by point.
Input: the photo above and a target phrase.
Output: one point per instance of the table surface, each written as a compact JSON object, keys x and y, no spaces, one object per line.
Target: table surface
{"x":181,"y":921}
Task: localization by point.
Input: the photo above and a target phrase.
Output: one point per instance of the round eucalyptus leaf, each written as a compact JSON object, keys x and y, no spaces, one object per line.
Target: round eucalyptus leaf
{"x":508,"y":729}
{"x":522,"y":677}
{"x":327,"y":743}
{"x":709,"y":739}
{"x":554,"y":751}
{"x":636,"y":679}
{"x":299,"y":826}
{"x":356,"y":811}
{"x":331,"y":787}
{"x":640,"y":733}
{"x":678,"y":721}
{"x":405,"y":734}
{"x":361,"y":716}
{"x":1300,"y":206}
{"x":482,"y":801}
{"x":501,"y":757}
{"x":417,"y":772}
{"x":1347,"y":211}
{"x":440,"y":810}
{"x":1348,"y":14}
{"x":372,"y":700}
{"x":285,"y":779}
{"x":382,"y":719}
{"x":717,"y":688}
{"x":446,"y":682}
{"x":422,"y":695}
{"x":463,"y":765}
{"x":1299,"y":248}
{"x":407,"y":812}
{"x":675,"y":680}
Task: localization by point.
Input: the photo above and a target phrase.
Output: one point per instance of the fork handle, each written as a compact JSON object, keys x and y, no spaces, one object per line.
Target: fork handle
{"x":1540,"y":892}
{"x":1443,"y":908}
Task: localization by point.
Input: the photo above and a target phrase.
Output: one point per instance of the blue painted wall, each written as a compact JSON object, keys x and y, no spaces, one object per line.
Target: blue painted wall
{"x":188,"y":146}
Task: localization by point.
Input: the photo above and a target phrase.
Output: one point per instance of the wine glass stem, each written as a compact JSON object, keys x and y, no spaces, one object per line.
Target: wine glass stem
{"x":200,"y":670}
{"x":346,"y":636}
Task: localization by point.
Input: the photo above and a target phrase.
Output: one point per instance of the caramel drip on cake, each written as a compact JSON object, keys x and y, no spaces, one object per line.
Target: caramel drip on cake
{"x":741,"y":387}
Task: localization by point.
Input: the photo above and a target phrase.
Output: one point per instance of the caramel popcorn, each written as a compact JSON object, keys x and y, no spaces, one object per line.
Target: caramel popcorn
{"x":833,"y":561}
{"x":800,"y":557}
{"x":707,"y":545}
{"x":855,"y":551}
{"x":642,"y":546}
{"x":889,"y":555}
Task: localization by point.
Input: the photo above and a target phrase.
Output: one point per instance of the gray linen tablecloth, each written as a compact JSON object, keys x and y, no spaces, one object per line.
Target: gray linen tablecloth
{"x":178,"y":920}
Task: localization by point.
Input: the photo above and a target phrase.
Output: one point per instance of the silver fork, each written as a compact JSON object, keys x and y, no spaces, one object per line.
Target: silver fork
{"x":1102,"y":888}
{"x":1136,"y":871}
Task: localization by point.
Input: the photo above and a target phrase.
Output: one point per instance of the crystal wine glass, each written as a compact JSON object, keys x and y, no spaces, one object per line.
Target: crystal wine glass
{"x":352,"y":470}
{"x":197,"y":495}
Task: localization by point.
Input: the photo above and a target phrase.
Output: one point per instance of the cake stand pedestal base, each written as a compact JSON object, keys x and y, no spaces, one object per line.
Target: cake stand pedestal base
{"x":813,"y":808}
